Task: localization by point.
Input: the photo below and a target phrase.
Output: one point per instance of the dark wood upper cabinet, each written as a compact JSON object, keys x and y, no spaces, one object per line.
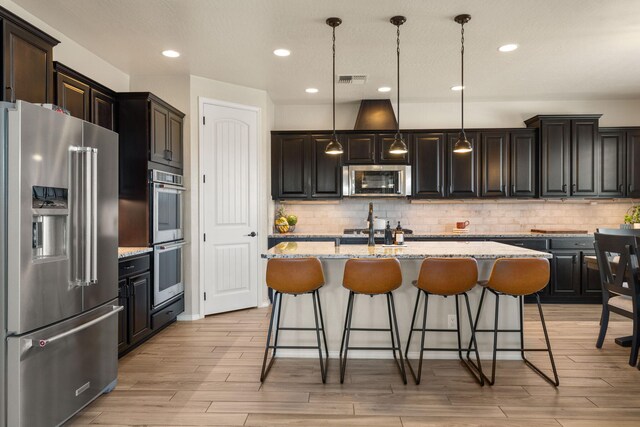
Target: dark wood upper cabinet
{"x":326,"y":179}
{"x":159,"y":133}
{"x":85,"y":99}
{"x":633,"y":163}
{"x":428,"y":171}
{"x":150,"y":130}
{"x":383,"y":142}
{"x":494,"y":163}
{"x":612,"y":167}
{"x":462,"y":168}
{"x":523,"y":164}
{"x":291,"y":162}
{"x":103,"y":109}
{"x":73,"y":95}
{"x":27,"y":61}
{"x":555,"y":158}
{"x":584,"y":154}
{"x":360,"y":149}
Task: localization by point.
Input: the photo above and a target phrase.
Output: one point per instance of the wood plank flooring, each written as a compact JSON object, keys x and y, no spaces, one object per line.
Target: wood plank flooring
{"x":207,"y":373}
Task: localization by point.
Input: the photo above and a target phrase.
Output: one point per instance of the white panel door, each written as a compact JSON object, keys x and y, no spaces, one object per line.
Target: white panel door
{"x":230,"y":204}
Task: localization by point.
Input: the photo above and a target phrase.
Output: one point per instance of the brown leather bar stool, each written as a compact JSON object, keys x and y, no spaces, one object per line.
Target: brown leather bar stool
{"x":380,"y":276}
{"x":517,"y":277}
{"x":295,"y":276}
{"x":445,"y":277}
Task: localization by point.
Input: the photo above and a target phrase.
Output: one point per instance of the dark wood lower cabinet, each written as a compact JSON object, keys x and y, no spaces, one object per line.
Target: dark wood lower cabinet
{"x":565,"y":274}
{"x":138,"y":321}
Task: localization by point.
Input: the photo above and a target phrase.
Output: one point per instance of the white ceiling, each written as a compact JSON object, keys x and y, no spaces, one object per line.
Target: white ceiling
{"x":569,"y":49}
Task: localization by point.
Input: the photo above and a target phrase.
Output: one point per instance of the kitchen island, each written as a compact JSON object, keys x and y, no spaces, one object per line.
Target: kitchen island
{"x":372,"y":312}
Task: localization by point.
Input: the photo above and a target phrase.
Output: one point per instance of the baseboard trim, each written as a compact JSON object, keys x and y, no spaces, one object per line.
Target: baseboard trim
{"x":188,"y":317}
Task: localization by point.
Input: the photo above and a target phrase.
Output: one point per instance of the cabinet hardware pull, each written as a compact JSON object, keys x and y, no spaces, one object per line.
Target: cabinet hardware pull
{"x":621,"y":188}
{"x":564,"y":188}
{"x":12,"y":97}
{"x":129,"y":267}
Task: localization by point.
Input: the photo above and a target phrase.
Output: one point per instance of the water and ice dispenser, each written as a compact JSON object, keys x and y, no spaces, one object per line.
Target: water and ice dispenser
{"x":50,"y":213}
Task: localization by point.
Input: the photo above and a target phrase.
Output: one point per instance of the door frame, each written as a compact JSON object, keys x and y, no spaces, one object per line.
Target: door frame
{"x":262,"y":208}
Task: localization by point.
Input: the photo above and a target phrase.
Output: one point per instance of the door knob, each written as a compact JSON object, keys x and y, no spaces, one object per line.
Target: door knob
{"x":252,"y":234}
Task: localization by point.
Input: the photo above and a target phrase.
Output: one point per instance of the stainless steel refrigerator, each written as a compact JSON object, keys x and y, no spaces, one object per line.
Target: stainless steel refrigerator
{"x":58,"y":264}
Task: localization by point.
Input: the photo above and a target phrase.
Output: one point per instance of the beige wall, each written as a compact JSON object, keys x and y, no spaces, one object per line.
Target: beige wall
{"x":485,"y":216}
{"x":438,"y":115}
{"x":74,"y":55}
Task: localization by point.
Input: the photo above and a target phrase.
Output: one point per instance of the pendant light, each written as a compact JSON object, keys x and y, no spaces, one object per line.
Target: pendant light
{"x":398,"y":145}
{"x":462,"y":145}
{"x":334,"y":147}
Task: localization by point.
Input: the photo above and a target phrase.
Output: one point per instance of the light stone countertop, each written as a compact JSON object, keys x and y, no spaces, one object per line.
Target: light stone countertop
{"x":413,"y":250}
{"x":444,"y":234}
{"x":131,"y":251}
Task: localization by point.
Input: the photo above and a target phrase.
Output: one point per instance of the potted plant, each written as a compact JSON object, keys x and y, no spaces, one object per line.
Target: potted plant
{"x":632,"y":218}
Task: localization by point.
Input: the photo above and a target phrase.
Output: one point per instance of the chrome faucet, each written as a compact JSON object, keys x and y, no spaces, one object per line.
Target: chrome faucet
{"x":372,"y":240}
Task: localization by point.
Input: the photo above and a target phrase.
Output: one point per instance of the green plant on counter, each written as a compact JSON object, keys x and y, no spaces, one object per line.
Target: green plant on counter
{"x":633,"y":215}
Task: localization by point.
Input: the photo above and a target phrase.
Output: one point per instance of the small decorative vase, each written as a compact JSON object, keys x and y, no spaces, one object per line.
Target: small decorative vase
{"x":626,"y":226}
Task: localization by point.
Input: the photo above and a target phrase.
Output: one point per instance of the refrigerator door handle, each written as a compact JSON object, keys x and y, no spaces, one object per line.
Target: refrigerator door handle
{"x":83,"y":218}
{"x":44,"y":342}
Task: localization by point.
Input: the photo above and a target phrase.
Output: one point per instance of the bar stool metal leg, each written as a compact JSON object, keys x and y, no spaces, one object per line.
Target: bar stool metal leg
{"x":400,"y":361}
{"x":324,"y":335}
{"x":265,"y":369}
{"x":555,"y":381}
{"x":346,"y":334}
{"x":323,"y":366}
{"x":423,"y":331}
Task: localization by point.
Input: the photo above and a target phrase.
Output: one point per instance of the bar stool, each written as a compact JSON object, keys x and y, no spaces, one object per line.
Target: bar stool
{"x":445,"y":277}
{"x":295,"y":276}
{"x":517,"y":277}
{"x":372,"y":277}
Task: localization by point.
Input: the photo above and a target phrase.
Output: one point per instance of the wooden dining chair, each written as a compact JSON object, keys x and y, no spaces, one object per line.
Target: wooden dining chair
{"x":617,"y":256}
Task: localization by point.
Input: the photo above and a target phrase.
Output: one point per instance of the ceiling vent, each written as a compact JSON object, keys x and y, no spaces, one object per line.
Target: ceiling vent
{"x":351,"y":79}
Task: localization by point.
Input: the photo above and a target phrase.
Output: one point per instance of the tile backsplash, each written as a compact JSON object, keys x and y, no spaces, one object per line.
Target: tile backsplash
{"x":484,"y":216}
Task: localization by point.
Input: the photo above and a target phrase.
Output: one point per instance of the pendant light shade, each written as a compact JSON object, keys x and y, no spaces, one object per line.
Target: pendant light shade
{"x":398,"y":146}
{"x":462,"y":145}
{"x":334,"y":147}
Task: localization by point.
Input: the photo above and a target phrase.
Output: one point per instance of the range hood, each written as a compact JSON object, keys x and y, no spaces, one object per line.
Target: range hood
{"x":376,"y":114}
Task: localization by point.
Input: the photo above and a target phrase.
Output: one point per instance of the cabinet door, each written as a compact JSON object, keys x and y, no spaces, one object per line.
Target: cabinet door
{"x":159,"y":134}
{"x":590,"y":278}
{"x":463,"y":168}
{"x":565,"y":273}
{"x":73,"y":96}
{"x":633,"y":163}
{"x":326,"y":180}
{"x":612,"y":151}
{"x":494,"y":164}
{"x":428,"y":171}
{"x":361,"y":149}
{"x":383,"y":142}
{"x":28,"y":66}
{"x":554,"y":158}
{"x":291,"y":161}
{"x":123,"y":324}
{"x":102,"y":109}
{"x":584,"y":154}
{"x":175,"y":140}
{"x":139,"y":306}
{"x":522,"y":164}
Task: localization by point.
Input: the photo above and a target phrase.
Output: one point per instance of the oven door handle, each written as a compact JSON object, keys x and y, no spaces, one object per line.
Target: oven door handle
{"x":172,"y":246}
{"x":170,"y":187}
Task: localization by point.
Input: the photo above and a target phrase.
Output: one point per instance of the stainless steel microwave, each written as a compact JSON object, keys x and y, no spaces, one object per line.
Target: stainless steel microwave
{"x":376,"y":181}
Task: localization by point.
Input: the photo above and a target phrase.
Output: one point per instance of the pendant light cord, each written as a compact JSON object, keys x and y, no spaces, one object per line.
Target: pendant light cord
{"x":333,"y":77}
{"x":398,"y":78}
{"x":462,"y":81}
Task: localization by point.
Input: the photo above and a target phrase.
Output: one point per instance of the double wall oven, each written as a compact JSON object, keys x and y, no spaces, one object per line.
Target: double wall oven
{"x":167,"y":231}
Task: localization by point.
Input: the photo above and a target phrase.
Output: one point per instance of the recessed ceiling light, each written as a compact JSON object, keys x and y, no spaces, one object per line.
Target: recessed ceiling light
{"x":311,"y":90}
{"x":508,"y":47}
{"x":282,"y":52}
{"x":170,"y":53}
{"x":457,"y":87}
{"x":384,"y":89}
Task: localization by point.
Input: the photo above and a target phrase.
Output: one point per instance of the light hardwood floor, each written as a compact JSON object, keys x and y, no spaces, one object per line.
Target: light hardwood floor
{"x":207,"y":373}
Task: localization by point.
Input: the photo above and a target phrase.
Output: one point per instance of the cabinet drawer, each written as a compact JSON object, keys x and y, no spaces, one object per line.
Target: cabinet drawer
{"x":535,"y":244}
{"x":573,"y":243}
{"x":130,"y":266}
{"x":167,"y":314}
